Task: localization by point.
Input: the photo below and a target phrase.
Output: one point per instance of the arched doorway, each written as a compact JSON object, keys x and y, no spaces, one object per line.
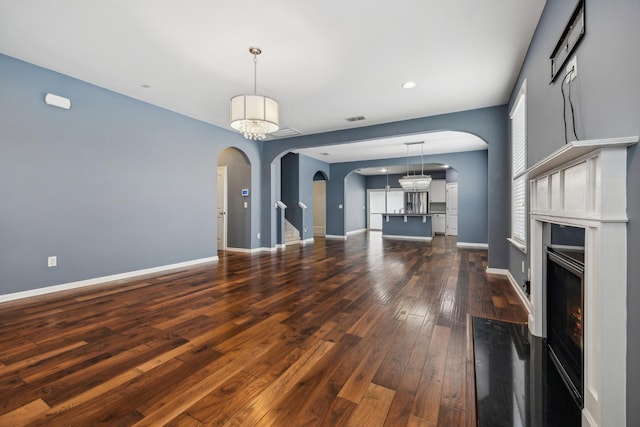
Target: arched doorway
{"x":319,"y":204}
{"x":234,"y":200}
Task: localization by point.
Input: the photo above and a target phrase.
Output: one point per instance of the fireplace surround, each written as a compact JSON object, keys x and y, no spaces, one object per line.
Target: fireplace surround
{"x":584,"y":185}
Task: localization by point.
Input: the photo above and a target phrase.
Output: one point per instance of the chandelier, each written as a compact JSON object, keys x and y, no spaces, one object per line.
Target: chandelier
{"x":254,"y":115}
{"x":415,"y":183}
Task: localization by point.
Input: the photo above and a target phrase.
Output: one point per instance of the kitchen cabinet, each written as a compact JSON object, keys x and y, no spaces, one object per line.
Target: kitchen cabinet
{"x":438,"y":223}
{"x":438,"y":193}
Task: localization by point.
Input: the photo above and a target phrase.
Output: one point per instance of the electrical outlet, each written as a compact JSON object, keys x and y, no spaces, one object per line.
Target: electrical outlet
{"x":571,"y":70}
{"x":52,"y":261}
{"x":523,"y":266}
{"x":258,"y":236}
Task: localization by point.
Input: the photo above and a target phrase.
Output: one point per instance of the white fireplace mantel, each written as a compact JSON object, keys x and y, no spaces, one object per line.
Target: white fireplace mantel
{"x":584,"y":184}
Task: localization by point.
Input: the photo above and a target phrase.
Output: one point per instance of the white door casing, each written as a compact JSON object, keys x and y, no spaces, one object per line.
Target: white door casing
{"x":452,"y":209}
{"x":222,"y":208}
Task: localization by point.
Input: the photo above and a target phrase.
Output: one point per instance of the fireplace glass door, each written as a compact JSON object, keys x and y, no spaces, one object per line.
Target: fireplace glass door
{"x":565,"y":299}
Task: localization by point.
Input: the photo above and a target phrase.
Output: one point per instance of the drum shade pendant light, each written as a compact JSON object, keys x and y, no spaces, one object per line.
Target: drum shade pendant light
{"x":415,"y":183}
{"x":254,"y":115}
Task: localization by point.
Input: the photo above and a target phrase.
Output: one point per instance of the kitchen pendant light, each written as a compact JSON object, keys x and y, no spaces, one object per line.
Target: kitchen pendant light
{"x":254,"y":115}
{"x":415,"y":183}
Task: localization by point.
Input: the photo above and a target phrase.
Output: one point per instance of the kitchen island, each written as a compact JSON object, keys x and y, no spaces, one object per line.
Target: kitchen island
{"x":407,"y":226}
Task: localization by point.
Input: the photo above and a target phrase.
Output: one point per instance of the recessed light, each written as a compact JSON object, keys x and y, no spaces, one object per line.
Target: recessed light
{"x":383,"y":170}
{"x":409,"y":85}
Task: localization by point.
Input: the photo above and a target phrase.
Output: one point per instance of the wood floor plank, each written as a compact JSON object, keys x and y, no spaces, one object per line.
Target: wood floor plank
{"x":29,"y":361}
{"x":373,"y":407}
{"x":25,"y":413}
{"x":428,"y":396}
{"x":454,"y":384}
{"x":359,"y":332}
{"x":261,"y":405}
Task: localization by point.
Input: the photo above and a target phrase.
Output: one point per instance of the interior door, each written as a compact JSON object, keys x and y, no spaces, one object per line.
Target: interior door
{"x":222,"y":208}
{"x":376,"y":208}
{"x":452,"y":209}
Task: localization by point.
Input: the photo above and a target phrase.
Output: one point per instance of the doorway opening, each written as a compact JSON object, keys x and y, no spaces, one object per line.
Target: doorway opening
{"x":234,"y":200}
{"x":319,"y":204}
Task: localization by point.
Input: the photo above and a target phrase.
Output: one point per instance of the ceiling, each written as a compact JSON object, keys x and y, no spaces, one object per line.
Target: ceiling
{"x":400,"y":146}
{"x":323,"y":61}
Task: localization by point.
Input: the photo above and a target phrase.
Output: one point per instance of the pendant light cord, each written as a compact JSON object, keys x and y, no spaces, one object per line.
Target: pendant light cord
{"x":255,"y":74}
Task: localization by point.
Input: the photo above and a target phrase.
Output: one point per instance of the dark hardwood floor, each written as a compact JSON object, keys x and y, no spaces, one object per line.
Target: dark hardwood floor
{"x":364,"y":332}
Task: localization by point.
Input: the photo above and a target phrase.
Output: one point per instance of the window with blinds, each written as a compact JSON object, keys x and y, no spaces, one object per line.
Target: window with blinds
{"x":518,"y":166}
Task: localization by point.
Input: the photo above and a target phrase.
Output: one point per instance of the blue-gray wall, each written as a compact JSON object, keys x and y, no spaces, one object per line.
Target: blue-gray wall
{"x":567,"y":236}
{"x":606,"y":97}
{"x":289,"y":188}
{"x":238,"y":178}
{"x":490,"y":124}
{"x":452,"y":175}
{"x":110,"y":186}
{"x":355,"y":203}
{"x":376,"y":182}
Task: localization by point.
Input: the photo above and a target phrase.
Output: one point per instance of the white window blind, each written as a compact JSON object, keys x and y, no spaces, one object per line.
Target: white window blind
{"x":518,"y":166}
{"x":518,"y":213}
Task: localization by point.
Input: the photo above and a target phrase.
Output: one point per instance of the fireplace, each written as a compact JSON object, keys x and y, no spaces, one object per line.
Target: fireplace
{"x":565,"y":308}
{"x":583,"y":185}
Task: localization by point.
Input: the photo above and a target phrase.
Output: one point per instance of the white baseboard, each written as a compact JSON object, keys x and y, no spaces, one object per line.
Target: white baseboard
{"x":362,"y":230}
{"x":245,"y":250}
{"x":103,"y":279}
{"x":335,"y":237}
{"x":416,"y":238}
{"x":523,"y":297}
{"x":281,"y":245}
{"x":464,"y":245}
{"x":306,"y":241}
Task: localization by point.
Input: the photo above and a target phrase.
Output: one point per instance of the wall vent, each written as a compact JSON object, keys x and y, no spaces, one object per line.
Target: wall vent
{"x":285,"y":132}
{"x":355,"y":118}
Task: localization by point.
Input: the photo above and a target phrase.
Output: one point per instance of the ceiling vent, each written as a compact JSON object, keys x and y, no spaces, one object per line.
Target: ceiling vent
{"x":325,"y":154}
{"x":355,"y":118}
{"x":285,"y":132}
